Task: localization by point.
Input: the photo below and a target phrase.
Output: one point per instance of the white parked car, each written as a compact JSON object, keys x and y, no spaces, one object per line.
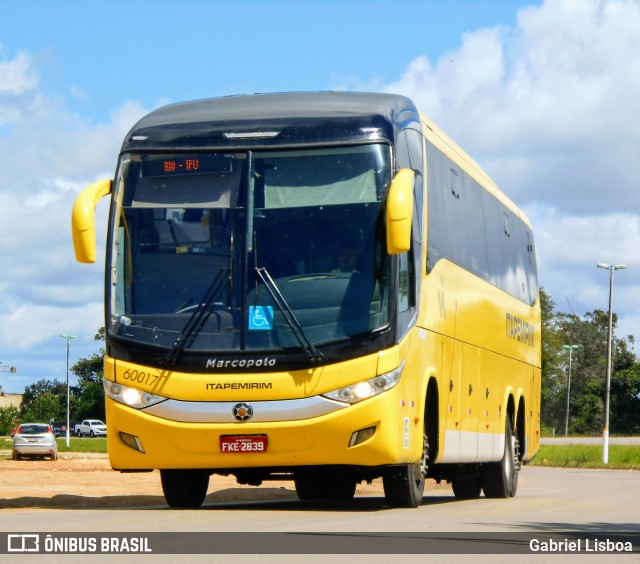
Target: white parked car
{"x":91,"y":427}
{"x":35,"y":439}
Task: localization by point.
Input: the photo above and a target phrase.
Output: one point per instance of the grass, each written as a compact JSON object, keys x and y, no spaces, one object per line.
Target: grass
{"x":76,"y":444}
{"x":621,"y":457}
{"x":83,"y":444}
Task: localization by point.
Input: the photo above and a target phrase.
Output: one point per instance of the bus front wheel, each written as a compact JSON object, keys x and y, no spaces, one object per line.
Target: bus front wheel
{"x":308,"y":487}
{"x":184,"y":488}
{"x":404,"y":485}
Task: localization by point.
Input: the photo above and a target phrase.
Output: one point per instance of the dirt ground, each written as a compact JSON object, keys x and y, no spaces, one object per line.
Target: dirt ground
{"x":85,"y":482}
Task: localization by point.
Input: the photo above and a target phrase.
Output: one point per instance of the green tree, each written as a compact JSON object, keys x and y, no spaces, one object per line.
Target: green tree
{"x":588,"y":369}
{"x":9,"y":416}
{"x":588,"y":377}
{"x":47,"y":399}
{"x":553,"y":378}
{"x":44,"y":400}
{"x":592,"y":333}
{"x":625,"y":401}
{"x":90,"y":391}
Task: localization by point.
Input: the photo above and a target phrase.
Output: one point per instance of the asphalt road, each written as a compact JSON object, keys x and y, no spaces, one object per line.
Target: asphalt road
{"x":549,"y":501}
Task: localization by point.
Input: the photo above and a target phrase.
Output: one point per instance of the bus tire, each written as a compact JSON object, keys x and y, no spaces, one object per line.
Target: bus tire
{"x":467,"y":488}
{"x":341,"y":489}
{"x":184,"y":488}
{"x":308,"y":488}
{"x":500,"y":479}
{"x":315,"y":486}
{"x":404,"y":485}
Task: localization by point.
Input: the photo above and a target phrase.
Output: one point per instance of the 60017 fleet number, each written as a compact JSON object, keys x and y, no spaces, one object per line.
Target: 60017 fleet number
{"x":140,"y":377}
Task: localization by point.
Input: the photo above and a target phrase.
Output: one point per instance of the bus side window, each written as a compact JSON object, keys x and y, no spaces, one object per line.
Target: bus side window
{"x":406,"y":286}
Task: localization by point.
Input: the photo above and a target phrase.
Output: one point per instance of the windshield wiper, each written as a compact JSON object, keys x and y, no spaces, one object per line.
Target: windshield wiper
{"x":198,"y":318}
{"x":312,"y":352}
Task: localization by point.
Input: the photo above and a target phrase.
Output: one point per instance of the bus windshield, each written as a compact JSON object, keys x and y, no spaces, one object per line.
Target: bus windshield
{"x":194,"y":235}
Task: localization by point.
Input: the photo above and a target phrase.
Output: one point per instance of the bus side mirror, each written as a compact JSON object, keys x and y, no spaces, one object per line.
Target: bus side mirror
{"x":400,"y":212}
{"x":82,"y":220}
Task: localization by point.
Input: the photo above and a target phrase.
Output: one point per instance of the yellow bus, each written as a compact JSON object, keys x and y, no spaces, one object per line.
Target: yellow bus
{"x":320,"y":287}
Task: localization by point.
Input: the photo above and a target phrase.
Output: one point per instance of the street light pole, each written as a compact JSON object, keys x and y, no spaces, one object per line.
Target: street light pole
{"x":68,"y":338}
{"x":566,"y":415}
{"x":605,"y":430}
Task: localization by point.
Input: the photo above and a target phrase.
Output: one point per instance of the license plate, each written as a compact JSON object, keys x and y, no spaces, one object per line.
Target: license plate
{"x":239,"y":444}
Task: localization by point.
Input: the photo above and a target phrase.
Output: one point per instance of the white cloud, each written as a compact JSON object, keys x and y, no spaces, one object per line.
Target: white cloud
{"x":540,"y":105}
{"x":16,"y":75}
{"x":18,"y":87}
{"x":568,"y":240}
{"x":31,"y":324}
{"x":549,"y":108}
{"x":47,"y":155}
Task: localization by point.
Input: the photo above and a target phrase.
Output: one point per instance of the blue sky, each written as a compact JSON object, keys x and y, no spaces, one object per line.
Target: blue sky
{"x":97,"y":54}
{"x":543,"y":94}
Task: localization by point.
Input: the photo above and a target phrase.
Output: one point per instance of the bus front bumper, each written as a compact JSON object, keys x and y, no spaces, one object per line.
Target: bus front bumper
{"x":378,"y":431}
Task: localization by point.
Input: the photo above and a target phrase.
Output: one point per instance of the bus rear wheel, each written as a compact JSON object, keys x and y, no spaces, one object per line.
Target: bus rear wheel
{"x":184,"y":488}
{"x":500,"y":479}
{"x":467,"y":488}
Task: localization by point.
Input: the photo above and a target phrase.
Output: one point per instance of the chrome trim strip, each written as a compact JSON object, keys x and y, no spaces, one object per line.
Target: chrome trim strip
{"x":263,"y":411}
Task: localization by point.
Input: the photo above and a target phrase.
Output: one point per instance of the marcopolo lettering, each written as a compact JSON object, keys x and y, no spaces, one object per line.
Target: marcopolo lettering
{"x":240,"y":362}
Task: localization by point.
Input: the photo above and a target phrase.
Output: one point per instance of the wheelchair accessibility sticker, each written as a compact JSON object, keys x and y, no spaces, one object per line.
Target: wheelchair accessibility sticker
{"x":260,"y":318}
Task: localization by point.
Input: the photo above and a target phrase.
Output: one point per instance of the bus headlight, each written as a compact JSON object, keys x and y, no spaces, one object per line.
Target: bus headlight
{"x":130,"y":396}
{"x":368,"y":388}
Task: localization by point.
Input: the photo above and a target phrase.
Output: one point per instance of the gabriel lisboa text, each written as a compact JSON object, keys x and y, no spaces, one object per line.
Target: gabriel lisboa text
{"x":58,"y":543}
{"x":579,"y":545}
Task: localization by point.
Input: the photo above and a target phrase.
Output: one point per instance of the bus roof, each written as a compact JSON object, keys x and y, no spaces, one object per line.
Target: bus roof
{"x":290,"y":119}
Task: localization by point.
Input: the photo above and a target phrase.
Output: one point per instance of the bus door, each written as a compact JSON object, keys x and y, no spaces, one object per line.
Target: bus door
{"x":451,"y":370}
{"x":460,"y":363}
{"x":489,"y":408}
{"x":469,"y":404}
